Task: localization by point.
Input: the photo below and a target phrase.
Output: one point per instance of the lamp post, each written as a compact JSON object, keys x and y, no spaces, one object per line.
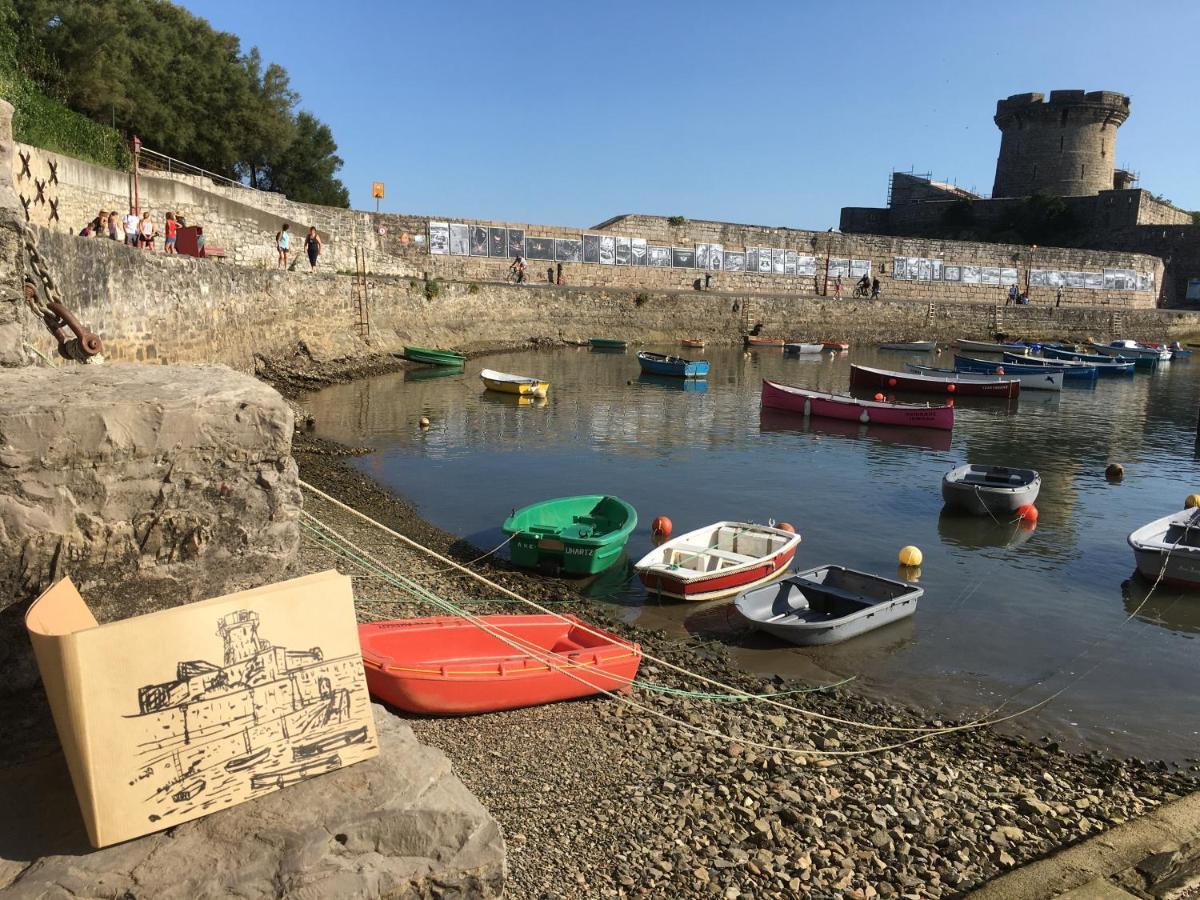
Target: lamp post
{"x":136,"y":146}
{"x":1028,"y":267}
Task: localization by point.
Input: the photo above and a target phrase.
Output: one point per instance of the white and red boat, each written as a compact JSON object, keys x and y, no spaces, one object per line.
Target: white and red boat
{"x":717,"y":561}
{"x":843,"y":406}
{"x":865,"y":376}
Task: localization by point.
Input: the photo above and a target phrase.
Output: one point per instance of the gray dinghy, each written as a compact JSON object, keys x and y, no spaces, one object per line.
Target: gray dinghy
{"x":826,"y":605}
{"x":990,"y":489}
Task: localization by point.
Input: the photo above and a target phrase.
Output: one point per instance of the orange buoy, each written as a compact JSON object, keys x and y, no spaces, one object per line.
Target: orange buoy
{"x":951,"y":388}
{"x":786,"y":526}
{"x":1028,"y":513}
{"x":891,"y":382}
{"x":879,"y":398}
{"x":661,"y":527}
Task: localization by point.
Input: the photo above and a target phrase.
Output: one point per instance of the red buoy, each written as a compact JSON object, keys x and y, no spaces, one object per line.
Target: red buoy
{"x":1028,"y":513}
{"x":661,"y":527}
{"x":786,"y":526}
{"x":879,"y":398}
{"x":891,"y":382}
{"x":951,"y":388}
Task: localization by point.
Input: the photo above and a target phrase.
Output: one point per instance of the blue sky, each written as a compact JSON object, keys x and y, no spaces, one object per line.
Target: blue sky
{"x":768,"y":113}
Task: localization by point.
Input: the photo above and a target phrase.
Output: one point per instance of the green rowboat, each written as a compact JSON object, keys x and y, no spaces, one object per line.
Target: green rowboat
{"x":434,"y":357}
{"x":574,"y":535}
{"x":608,"y":343}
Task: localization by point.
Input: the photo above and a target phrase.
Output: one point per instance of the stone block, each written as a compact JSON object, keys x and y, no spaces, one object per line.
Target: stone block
{"x":399,"y":825}
{"x":151,"y":486}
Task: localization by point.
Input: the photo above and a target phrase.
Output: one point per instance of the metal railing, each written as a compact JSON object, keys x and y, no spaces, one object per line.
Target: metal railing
{"x":153,"y":161}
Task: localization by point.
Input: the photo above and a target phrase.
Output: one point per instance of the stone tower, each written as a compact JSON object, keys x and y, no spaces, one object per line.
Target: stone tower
{"x":1065,"y":146}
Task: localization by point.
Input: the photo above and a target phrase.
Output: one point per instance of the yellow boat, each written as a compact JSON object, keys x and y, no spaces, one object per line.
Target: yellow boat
{"x":520,"y":385}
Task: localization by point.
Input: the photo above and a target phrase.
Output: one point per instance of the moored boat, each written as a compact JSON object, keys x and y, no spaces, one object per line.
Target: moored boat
{"x":1040,"y":381}
{"x":836,"y":346}
{"x":434,"y":357}
{"x":1076,"y":356}
{"x":803,"y":348}
{"x":991,"y":367}
{"x":865,"y":376}
{"x":521,"y":385}
{"x":911,"y":346}
{"x":1169,"y":548}
{"x":695,"y":343}
{"x":673,"y":366}
{"x":446,"y":665}
{"x":1111,"y":367}
{"x":827,"y":605}
{"x":608,"y":343}
{"x":576,"y":535}
{"x":1133,"y":349}
{"x":995,"y":490}
{"x":717,"y":561}
{"x":752,"y":342}
{"x":843,"y":406}
{"x":990,"y":347}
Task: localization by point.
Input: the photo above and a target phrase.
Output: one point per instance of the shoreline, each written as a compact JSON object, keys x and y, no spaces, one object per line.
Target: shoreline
{"x":597,"y":798}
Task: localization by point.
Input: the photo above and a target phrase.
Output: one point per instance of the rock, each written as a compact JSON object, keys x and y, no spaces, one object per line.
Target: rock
{"x":701,"y":875}
{"x":401,"y":824}
{"x":1031,"y":806}
{"x":150,"y":486}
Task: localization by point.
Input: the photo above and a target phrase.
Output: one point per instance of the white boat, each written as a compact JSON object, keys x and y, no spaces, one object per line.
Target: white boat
{"x":1170,"y":548}
{"x":803,"y":348}
{"x":716,"y":561}
{"x":1047,"y":381}
{"x":995,"y":490}
{"x":910,"y":346}
{"x":1133,"y":350}
{"x":991,"y":347}
{"x":521,"y":385}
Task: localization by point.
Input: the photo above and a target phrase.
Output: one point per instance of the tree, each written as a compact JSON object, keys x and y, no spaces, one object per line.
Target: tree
{"x":307,"y":170}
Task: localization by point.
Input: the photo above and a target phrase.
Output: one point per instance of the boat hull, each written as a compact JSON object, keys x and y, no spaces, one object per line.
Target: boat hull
{"x":448,"y":666}
{"x":767,"y":342}
{"x":672,"y":366}
{"x":987,"y":367}
{"x":990,"y":347}
{"x":1111,"y":367}
{"x":608,"y":343}
{"x":503,"y":383}
{"x":865,"y":376}
{"x":560,"y":534}
{"x":803,"y":348}
{"x":1169,"y":548}
{"x":1041,"y":381}
{"x":994,"y":498}
{"x":434,"y":357}
{"x":1180,"y":571}
{"x":839,"y":406}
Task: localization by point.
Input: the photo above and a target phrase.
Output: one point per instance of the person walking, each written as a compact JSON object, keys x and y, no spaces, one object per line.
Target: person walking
{"x":837,"y":287}
{"x":312,"y":244}
{"x":131,"y":229}
{"x":875,"y":288}
{"x":171,"y":235}
{"x":146,"y":231}
{"x":560,"y":274}
{"x":1058,"y":297}
{"x":1012,"y":296}
{"x":283,"y":241}
{"x":114,"y":226}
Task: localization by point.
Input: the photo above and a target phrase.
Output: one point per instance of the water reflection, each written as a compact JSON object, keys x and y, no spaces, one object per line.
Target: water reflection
{"x":774,"y":421}
{"x":694,"y":385}
{"x":976,"y":532}
{"x":1170,"y":608}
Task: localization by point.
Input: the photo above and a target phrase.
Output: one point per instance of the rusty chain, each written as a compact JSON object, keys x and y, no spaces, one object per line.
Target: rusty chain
{"x":85,"y":346}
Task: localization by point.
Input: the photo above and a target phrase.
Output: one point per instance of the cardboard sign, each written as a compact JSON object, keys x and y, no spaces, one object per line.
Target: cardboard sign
{"x":176,"y":714}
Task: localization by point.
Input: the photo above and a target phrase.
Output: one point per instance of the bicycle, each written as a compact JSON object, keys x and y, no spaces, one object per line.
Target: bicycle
{"x":514,"y":277}
{"x":861,"y":293}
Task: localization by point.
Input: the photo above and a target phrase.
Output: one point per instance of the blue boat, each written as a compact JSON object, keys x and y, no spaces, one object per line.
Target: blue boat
{"x":1105,"y":365}
{"x":1114,"y":367}
{"x":989,"y":367}
{"x":674,"y":366}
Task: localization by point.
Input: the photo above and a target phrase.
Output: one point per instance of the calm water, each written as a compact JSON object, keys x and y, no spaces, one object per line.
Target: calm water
{"x":1004,"y":611}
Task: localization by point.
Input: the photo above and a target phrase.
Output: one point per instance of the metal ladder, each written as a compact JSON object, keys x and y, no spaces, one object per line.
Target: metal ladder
{"x":360,"y":293}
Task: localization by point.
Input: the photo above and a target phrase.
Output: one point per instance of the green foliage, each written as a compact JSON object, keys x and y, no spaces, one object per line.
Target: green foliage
{"x":677,"y":220}
{"x":432,"y":290}
{"x":184,"y":88}
{"x":1195,"y":214}
{"x":472,"y":288}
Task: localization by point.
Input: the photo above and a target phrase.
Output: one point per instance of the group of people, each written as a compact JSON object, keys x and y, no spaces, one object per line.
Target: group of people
{"x":866,"y":286}
{"x":283,"y":245}
{"x":1018,"y":298}
{"x":134,"y":230}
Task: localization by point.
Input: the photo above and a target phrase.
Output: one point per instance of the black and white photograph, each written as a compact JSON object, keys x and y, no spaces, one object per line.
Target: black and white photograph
{"x":591,"y":248}
{"x":1145,"y":282}
{"x":1037,"y":278}
{"x":1008,"y":276}
{"x":1055,"y":278}
{"x":460,"y":239}
{"x":637,"y":251}
{"x":716,"y":257}
{"x":970,"y":274}
{"x":751,"y":259}
{"x":1093,"y":281}
{"x":660,"y":257}
{"x":608,"y":250}
{"x":683,"y":258}
{"x":1120,"y":280}
{"x":1073,"y":279}
{"x":568,"y":250}
{"x":839,"y":267}
{"x":439,"y":237}
{"x":497,"y":242}
{"x":734,"y":261}
{"x":479,"y":240}
{"x":516,"y":242}
{"x":900,"y":268}
{"x":777,"y":258}
{"x":989,"y":275}
{"x":935,"y":270}
{"x":622,"y":253}
{"x":539,"y":248}
{"x":914,"y":268}
{"x":860,"y":267}
{"x":702,"y":251}
{"x":924,"y":269}
{"x":764,"y":259}
{"x":951,"y":273}
{"x":806,"y":265}
{"x":789,"y":262}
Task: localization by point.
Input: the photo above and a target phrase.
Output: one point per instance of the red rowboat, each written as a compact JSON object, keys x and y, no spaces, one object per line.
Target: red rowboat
{"x":716,"y":561}
{"x":693,"y":342}
{"x":865,"y":376}
{"x":842,"y":406}
{"x":446,"y":665}
{"x":752,"y":341}
{"x":836,"y":346}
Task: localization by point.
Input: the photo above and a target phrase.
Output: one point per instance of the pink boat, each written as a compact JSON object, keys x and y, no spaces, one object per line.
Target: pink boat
{"x":843,"y":406}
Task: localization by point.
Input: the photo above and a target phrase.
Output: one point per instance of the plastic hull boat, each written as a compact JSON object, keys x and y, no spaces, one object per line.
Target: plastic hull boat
{"x":990,"y":347}
{"x":865,"y":376}
{"x":1041,"y":381}
{"x":803,"y":348}
{"x":449,"y":666}
{"x":673,"y":366}
{"x":1133,"y":349}
{"x":770,"y":342}
{"x":520,"y":385}
{"x":836,"y":346}
{"x":608,"y":343}
{"x":1170,"y":548}
{"x":911,"y":346}
{"x":827,"y":605}
{"x":1111,"y":367}
{"x":843,"y":406}
{"x":695,"y":343}
{"x":989,"y":367}
{"x":994,"y":490}
{"x":434,"y":357}
{"x":717,"y":561}
{"x":575,"y":535}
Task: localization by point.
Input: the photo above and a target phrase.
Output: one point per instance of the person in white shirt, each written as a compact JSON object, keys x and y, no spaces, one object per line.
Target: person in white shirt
{"x":146,"y":231}
{"x":131,"y":228}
